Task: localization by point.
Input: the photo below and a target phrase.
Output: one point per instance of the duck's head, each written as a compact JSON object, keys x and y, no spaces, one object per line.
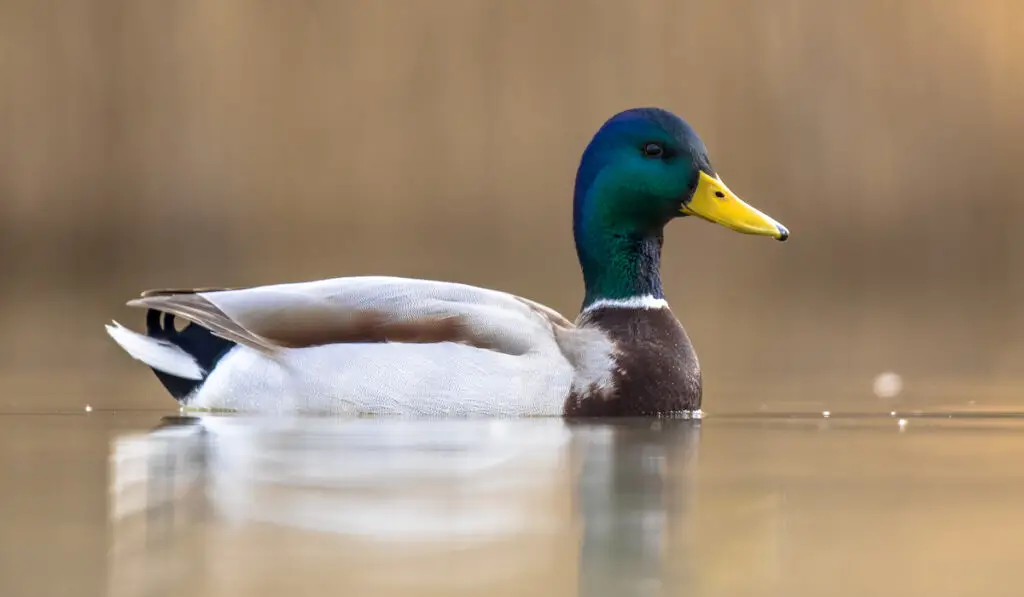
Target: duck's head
{"x":642,"y":169}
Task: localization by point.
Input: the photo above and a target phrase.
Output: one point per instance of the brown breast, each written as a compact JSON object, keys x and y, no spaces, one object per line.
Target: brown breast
{"x":657,"y":369}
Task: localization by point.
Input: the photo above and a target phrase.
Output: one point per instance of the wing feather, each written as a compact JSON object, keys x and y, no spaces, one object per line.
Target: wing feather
{"x":364,"y":309}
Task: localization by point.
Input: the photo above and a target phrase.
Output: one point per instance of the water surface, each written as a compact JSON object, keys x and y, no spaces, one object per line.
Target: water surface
{"x":137,"y":504}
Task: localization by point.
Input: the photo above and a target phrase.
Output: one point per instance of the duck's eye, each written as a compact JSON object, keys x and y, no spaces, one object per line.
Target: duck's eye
{"x":653,"y":150}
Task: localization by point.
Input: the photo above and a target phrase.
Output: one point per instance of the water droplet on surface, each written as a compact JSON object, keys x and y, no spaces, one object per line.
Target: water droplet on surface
{"x":888,"y":385}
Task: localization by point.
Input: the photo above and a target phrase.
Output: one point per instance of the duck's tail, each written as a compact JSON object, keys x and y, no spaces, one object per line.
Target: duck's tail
{"x":181,"y":360}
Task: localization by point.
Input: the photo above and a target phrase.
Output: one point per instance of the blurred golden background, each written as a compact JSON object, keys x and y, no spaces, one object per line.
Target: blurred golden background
{"x":192,"y":143}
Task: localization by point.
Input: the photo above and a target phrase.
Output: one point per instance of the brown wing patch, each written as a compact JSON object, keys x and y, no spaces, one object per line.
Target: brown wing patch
{"x":300,"y":329}
{"x":374,"y":327}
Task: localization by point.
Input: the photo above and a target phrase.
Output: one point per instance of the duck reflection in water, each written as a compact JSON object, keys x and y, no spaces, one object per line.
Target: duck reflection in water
{"x":402,"y":505}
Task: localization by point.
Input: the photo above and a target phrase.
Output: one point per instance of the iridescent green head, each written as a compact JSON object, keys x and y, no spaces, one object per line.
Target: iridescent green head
{"x":642,"y":169}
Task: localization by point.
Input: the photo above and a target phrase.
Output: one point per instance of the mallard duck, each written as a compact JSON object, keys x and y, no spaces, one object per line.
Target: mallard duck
{"x":391,"y":345}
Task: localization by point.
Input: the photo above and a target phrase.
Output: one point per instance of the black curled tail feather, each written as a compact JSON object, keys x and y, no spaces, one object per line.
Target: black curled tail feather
{"x":206,"y":348}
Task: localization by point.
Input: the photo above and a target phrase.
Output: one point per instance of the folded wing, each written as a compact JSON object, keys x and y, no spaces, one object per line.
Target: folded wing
{"x":364,"y":309}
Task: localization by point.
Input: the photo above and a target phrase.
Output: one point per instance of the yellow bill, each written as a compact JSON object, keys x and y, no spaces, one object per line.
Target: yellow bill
{"x":714,"y":202}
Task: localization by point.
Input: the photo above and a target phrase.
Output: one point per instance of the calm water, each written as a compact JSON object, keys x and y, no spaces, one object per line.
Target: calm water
{"x":142,"y":505}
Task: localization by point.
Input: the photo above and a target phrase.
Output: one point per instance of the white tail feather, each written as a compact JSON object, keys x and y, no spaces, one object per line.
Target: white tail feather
{"x":158,"y":354}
